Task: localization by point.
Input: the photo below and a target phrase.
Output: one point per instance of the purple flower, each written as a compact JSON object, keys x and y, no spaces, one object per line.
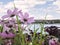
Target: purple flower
{"x":5,"y":28}
{"x":52,"y":30}
{"x":26,"y":19}
{"x":10,"y":35}
{"x":2,"y":22}
{"x":11,"y":13}
{"x":8,"y":24}
{"x":3,"y":35}
{"x":16,"y":27}
{"x":7,"y":35}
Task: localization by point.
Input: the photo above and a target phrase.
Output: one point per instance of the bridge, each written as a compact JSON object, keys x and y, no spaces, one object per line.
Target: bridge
{"x":48,"y":21}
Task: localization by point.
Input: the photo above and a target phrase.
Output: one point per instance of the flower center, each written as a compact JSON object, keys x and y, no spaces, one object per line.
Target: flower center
{"x":25,"y":20}
{"x":10,"y":26}
{"x":6,"y":22}
{"x":12,"y":15}
{"x":6,"y":32}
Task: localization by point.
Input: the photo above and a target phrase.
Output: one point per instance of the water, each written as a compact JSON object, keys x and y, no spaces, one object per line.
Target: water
{"x":39,"y":26}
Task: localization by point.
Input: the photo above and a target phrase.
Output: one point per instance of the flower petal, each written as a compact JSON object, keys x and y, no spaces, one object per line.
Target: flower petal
{"x":9,"y":12}
{"x":15,"y":11}
{"x":5,"y":28}
{"x":26,"y":15}
{"x":3,"y":35}
{"x":5,"y":16}
{"x":10,"y":35}
{"x":21,"y":14}
{"x":31,"y":19}
{"x":22,"y":20}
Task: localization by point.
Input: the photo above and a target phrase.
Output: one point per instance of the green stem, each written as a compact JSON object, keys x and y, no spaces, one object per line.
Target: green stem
{"x":42,"y":28}
{"x":20,"y":32}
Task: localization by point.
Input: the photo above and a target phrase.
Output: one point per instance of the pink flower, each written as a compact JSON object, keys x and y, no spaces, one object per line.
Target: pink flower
{"x":11,"y":13}
{"x":26,"y":19}
{"x":52,"y":42}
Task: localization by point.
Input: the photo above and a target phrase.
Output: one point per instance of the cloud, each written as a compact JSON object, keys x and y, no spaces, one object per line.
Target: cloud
{"x":9,"y":5}
{"x":21,"y":4}
{"x":25,"y":4}
{"x":57,"y":2}
{"x":49,"y":7}
{"x":29,"y":6}
{"x":49,"y":17}
{"x":1,"y":3}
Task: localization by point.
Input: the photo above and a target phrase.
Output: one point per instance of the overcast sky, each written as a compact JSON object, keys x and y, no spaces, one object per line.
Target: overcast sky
{"x":37,"y":8}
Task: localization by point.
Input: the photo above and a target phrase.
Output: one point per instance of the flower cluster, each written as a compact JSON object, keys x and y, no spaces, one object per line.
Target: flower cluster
{"x":13,"y":24}
{"x":52,"y":30}
{"x":9,"y":24}
{"x":51,"y":40}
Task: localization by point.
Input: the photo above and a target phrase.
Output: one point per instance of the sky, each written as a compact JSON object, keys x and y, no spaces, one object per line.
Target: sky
{"x":39,"y":9}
